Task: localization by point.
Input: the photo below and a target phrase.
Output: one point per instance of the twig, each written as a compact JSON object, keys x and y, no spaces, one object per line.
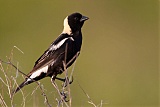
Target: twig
{"x":35,"y":89}
{"x":2,"y":102}
{"x":101,"y":103}
{"x":8,"y":82}
{"x":90,"y":100}
{"x":43,"y":93}
{"x":18,"y":49}
{"x":75,"y":56}
{"x":24,"y":98}
{"x":3,"y":72}
{"x":56,"y":87}
{"x":67,"y":82}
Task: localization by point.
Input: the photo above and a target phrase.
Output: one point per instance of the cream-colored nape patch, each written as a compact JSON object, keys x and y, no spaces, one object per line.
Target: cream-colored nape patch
{"x":66,"y":28}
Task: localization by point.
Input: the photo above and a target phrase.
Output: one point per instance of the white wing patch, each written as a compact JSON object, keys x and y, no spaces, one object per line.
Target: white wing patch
{"x":37,"y":73}
{"x":58,"y":45}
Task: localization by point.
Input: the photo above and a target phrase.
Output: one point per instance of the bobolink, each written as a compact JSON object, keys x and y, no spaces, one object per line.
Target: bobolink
{"x":64,"y":49}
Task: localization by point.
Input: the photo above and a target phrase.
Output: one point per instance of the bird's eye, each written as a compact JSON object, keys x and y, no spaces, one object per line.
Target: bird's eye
{"x":76,"y":18}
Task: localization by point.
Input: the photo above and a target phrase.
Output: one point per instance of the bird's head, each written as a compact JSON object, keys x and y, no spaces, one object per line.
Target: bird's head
{"x":74,"y":22}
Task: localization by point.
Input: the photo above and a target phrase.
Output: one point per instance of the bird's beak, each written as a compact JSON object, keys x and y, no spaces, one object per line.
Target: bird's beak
{"x":84,"y":18}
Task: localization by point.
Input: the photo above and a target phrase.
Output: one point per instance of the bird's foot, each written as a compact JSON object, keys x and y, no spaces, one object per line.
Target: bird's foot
{"x":64,"y":96}
{"x":65,"y":80}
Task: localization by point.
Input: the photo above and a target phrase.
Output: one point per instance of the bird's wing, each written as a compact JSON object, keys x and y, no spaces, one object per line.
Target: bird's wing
{"x":50,"y":55}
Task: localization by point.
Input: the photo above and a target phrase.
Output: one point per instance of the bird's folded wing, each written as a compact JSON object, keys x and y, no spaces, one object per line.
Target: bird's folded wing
{"x":56,"y":49}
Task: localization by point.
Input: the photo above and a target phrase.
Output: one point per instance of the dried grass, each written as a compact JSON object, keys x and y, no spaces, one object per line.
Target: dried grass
{"x":10,"y":82}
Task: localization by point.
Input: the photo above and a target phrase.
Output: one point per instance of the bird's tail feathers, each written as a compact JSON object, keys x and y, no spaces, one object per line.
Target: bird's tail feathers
{"x":20,"y":86}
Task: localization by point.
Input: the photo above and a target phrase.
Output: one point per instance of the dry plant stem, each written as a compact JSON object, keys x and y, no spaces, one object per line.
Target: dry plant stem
{"x":42,"y":90}
{"x":2,"y":102}
{"x":10,"y":63}
{"x":24,"y":98}
{"x":92,"y":103}
{"x":35,"y":90}
{"x":90,"y":100}
{"x":66,"y":73}
{"x":71,"y":75}
{"x":45,"y":96}
{"x":68,"y":85}
{"x":101,"y":103}
{"x":66,"y":76}
{"x":4,"y":74}
{"x":8,"y":81}
{"x":8,"y":84}
{"x":58,"y":103}
{"x":18,"y":49}
{"x":73,"y":58}
{"x":56,"y":87}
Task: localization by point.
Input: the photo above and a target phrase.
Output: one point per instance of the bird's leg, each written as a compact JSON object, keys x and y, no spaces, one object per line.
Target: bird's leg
{"x":65,"y":80}
{"x":61,"y":79}
{"x":53,"y":79}
{"x":62,"y":94}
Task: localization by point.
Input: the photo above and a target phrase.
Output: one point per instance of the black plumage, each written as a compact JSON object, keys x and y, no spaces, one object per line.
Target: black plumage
{"x":65,"y":48}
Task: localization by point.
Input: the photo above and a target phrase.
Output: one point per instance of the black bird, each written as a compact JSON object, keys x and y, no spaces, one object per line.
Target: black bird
{"x":64,"y":49}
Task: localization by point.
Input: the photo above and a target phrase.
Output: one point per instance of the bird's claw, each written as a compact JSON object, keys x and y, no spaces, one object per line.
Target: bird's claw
{"x":64,"y":96}
{"x":70,"y":81}
{"x":67,"y":81}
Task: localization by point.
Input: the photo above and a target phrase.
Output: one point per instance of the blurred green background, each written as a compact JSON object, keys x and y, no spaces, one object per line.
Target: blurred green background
{"x":119,"y":58}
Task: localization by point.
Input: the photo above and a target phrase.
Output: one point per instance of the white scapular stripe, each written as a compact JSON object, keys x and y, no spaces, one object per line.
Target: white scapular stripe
{"x":66,"y":28}
{"x":54,"y":47}
{"x":58,"y":45}
{"x":38,"y":72}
